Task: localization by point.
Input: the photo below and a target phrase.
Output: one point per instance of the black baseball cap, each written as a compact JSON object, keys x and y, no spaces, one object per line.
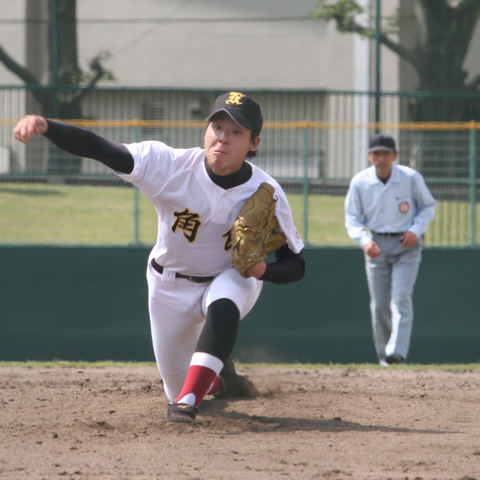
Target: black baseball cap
{"x":382,"y":142}
{"x":244,"y":110}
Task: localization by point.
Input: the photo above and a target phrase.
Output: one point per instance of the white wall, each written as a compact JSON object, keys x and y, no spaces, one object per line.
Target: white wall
{"x":12,"y":37}
{"x":472,"y":62}
{"x":217,"y":44}
{"x":268,"y":44}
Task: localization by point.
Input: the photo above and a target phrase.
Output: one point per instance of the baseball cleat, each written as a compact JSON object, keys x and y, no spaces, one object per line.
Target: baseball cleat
{"x":235,"y":385}
{"x":181,"y":413}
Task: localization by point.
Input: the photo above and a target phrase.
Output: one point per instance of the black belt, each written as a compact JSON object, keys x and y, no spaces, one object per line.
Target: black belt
{"x":159,"y":269}
{"x":388,"y":234}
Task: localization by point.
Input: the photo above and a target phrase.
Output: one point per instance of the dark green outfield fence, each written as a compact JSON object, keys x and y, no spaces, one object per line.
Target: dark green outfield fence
{"x":91,"y":304}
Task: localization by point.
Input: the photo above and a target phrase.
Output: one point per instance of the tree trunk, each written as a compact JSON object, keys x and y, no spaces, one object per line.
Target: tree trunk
{"x":444,"y":36}
{"x":64,"y":71}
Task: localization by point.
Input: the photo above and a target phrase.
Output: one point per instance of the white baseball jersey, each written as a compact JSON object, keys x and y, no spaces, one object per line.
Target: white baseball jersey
{"x":194,"y":214}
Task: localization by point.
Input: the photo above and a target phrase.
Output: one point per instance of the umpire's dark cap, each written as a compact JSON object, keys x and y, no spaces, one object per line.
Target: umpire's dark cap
{"x":244,"y":110}
{"x":382,"y":142}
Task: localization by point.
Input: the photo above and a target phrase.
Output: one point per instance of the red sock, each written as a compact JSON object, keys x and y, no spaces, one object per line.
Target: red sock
{"x":199,"y":380}
{"x":216,"y":386}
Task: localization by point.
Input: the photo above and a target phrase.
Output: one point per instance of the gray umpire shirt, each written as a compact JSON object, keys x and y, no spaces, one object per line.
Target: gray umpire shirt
{"x":403,"y":203}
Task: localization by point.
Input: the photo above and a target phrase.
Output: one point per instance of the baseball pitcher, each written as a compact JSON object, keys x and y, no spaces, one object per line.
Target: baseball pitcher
{"x":219,"y":217}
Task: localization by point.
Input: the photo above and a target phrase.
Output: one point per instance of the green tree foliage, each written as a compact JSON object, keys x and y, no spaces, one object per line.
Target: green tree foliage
{"x":445,"y":30}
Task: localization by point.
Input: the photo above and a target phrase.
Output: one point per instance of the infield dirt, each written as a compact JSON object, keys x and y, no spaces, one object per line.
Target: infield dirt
{"x":309,"y":423}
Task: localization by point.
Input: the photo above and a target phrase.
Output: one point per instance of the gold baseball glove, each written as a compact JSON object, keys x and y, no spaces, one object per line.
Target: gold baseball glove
{"x":256,"y":232}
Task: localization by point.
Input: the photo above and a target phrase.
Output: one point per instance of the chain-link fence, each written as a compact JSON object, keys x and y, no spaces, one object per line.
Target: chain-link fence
{"x":312,"y":143}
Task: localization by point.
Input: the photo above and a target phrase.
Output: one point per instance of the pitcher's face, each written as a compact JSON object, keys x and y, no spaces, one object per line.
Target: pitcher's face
{"x":227,"y":144}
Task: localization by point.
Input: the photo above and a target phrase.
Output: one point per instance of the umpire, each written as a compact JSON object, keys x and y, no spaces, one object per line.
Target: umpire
{"x":394,"y":203}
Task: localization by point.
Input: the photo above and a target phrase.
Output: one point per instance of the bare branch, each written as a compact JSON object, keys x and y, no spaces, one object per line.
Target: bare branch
{"x":354,"y":27}
{"x":25,"y":75}
{"x":98,"y":72}
{"x":17,"y":69}
{"x":408,"y":55}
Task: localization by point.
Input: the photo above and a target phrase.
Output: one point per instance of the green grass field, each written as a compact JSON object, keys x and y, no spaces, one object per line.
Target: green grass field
{"x":99,"y":215}
{"x":78,"y":215}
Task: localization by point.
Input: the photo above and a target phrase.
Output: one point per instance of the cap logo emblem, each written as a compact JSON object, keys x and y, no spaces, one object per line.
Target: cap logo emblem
{"x":235,"y":98}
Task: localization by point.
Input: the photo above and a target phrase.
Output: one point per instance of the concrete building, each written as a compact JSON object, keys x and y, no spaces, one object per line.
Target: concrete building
{"x":193,"y":50}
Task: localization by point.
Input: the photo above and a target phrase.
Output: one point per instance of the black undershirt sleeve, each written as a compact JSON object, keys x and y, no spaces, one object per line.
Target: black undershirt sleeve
{"x":85,"y":143}
{"x":289,"y":267}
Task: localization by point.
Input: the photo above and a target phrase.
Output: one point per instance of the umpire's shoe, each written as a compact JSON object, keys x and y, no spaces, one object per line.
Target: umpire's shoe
{"x":181,"y":413}
{"x":235,"y":385}
{"x":395,"y":359}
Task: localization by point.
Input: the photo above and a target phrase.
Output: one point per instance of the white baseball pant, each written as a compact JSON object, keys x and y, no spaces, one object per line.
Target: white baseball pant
{"x":178,"y":309}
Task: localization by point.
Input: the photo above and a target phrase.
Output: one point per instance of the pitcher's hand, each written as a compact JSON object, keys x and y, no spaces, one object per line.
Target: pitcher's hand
{"x":256,"y":270}
{"x":28,"y":127}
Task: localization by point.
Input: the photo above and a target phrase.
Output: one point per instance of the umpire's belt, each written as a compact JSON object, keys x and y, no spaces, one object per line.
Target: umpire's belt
{"x":159,"y":269}
{"x":388,"y":234}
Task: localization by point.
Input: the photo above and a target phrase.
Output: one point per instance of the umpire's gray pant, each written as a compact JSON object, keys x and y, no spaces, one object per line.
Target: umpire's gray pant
{"x":391,"y":278}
